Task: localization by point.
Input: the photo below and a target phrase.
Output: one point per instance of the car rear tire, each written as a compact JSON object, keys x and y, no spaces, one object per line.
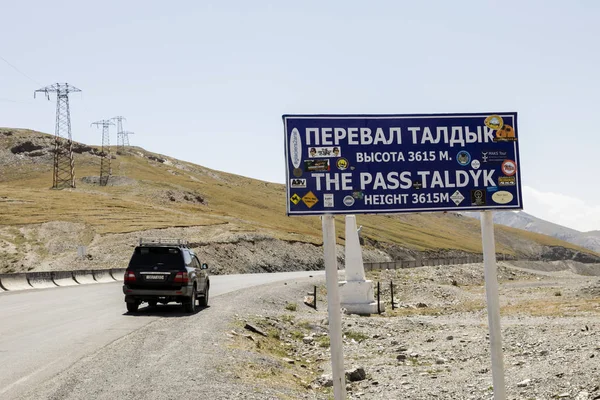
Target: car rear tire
{"x":190,"y":305}
{"x":203,"y":301}
{"x":133,"y":307}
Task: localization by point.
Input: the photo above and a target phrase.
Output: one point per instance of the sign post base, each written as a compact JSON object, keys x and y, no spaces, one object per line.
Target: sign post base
{"x":356,"y":293}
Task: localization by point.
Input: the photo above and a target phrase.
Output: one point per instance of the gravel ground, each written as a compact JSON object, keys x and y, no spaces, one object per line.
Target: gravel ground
{"x":182,"y":356}
{"x":432,"y":346}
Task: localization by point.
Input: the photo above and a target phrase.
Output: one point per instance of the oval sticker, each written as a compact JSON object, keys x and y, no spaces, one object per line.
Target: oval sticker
{"x":295,"y":148}
{"x":494,"y":122}
{"x":502,"y":197}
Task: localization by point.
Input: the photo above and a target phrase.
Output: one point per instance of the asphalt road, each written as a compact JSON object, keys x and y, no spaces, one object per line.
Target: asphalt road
{"x":44,"y":331}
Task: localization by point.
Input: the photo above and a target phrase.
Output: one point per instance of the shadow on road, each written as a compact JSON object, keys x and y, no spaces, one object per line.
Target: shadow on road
{"x":167,"y":311}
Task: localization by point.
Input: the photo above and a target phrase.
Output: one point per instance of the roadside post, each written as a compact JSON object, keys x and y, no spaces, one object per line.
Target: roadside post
{"x":493,"y":303}
{"x":387,"y":164}
{"x":333,"y":308}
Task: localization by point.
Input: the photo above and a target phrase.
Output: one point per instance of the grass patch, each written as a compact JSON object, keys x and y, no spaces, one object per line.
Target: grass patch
{"x":298,"y":335}
{"x":272,"y":371}
{"x":288,"y":318}
{"x":357,"y":336}
{"x":305,"y":325}
{"x":274,"y":333}
{"x":552,"y":307}
{"x":291,"y":306}
{"x":462,"y":307}
{"x":323,"y":341}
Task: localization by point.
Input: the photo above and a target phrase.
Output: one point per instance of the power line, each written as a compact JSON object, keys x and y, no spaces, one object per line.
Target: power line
{"x":15,"y":101}
{"x":21,"y":72}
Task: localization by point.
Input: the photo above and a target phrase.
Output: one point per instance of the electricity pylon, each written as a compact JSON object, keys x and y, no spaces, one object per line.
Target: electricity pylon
{"x":125,"y":138}
{"x":64,"y":167}
{"x":105,"y":170}
{"x":119,"y":119}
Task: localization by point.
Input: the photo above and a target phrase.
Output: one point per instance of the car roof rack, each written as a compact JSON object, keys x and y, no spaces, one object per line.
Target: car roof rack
{"x":163,"y":242}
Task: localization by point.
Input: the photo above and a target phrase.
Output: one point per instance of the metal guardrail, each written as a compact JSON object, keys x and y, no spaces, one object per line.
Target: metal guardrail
{"x":33,"y":280}
{"x":163,"y":241}
{"x":422,"y":262}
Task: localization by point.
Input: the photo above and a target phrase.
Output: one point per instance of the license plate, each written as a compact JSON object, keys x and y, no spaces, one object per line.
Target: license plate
{"x":155,"y":277}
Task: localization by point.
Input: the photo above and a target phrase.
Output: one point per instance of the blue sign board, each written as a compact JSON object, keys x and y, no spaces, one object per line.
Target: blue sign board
{"x":352,"y":164}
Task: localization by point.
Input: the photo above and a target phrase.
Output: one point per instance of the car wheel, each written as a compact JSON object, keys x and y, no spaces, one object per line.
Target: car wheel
{"x":133,"y":307}
{"x":204,"y":299}
{"x":190,"y":305}
{"x":152,"y":303}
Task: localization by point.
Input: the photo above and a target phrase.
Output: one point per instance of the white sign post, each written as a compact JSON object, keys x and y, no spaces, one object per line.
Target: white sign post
{"x":333,"y":308}
{"x":493,"y":303}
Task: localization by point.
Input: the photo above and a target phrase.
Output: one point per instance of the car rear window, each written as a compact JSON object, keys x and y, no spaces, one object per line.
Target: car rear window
{"x":163,"y":258}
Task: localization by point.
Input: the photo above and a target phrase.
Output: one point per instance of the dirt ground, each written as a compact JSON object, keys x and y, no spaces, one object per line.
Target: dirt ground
{"x":435,"y":345}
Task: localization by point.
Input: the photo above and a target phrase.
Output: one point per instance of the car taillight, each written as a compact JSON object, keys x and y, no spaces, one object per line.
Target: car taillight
{"x":182,"y":277}
{"x":129,"y":276}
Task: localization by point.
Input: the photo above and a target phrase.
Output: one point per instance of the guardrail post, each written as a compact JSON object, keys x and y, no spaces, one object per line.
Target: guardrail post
{"x":52,"y":275}
{"x":392,"y":292}
{"x":378,"y":297}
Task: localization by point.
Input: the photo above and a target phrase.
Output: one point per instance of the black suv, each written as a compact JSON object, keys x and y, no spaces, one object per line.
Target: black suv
{"x":163,"y":271}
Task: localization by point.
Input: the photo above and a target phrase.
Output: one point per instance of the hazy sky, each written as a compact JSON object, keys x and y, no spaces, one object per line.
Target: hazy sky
{"x":207,"y":82}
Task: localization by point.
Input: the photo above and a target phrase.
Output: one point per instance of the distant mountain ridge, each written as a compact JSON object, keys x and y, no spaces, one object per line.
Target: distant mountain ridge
{"x":522,"y":220}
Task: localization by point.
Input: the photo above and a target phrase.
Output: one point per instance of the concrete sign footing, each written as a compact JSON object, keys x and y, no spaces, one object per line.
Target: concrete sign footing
{"x":356,"y":293}
{"x":355,"y":297}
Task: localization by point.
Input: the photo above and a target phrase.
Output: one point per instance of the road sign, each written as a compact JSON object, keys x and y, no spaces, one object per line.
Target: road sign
{"x":351,"y":164}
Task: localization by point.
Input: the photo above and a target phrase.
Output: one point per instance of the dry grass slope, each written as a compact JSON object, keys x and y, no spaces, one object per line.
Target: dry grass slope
{"x":150,"y":191}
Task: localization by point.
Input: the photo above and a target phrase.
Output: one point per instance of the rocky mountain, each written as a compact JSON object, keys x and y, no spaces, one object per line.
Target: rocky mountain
{"x":522,"y":220}
{"x":236,"y":224}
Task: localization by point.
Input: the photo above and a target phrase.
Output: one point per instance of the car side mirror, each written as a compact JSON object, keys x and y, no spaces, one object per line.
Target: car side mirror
{"x":204,"y":266}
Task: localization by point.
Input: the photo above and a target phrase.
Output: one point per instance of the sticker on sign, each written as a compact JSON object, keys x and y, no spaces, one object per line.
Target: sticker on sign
{"x":309,"y":199}
{"x":457,"y":197}
{"x":324,"y":152}
{"x":298,"y":183}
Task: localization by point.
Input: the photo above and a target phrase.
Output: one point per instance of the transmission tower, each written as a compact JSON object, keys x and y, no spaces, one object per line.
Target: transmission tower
{"x":119,"y":119}
{"x":105,"y":170}
{"x":125,"y":138}
{"x":64,"y":167}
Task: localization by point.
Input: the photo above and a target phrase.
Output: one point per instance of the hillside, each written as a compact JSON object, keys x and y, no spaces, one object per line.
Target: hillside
{"x":522,"y":220}
{"x":234,"y":223}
